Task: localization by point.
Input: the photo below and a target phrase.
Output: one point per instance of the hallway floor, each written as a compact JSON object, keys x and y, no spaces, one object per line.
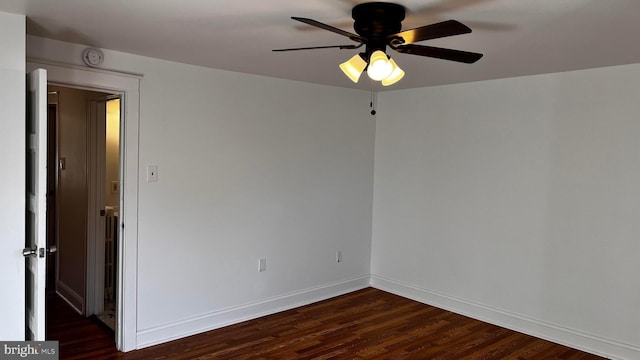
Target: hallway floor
{"x":80,"y":337}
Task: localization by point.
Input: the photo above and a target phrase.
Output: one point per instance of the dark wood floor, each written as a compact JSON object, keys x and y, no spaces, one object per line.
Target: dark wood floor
{"x":367,"y":324}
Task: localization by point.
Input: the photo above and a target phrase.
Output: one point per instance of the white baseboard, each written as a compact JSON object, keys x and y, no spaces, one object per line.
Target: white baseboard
{"x":255,"y":310}
{"x":71,"y":297}
{"x":610,"y":349}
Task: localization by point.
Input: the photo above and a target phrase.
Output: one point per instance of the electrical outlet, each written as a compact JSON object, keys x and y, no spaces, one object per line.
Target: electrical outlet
{"x":338,"y":256}
{"x":262,"y":265}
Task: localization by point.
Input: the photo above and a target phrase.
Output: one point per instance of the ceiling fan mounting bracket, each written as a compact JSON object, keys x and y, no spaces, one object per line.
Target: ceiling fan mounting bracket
{"x":375,"y":21}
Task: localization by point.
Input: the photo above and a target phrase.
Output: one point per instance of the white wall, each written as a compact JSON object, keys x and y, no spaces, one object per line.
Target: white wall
{"x":516,"y":201}
{"x":249,"y":167}
{"x":12,"y":175}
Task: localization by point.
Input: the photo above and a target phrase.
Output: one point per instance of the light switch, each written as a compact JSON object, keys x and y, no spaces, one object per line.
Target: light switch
{"x":152,"y":173}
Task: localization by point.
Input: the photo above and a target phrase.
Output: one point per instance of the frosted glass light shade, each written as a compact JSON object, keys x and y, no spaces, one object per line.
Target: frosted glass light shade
{"x":379,"y":66}
{"x":395,"y":76}
{"x":353,"y":67}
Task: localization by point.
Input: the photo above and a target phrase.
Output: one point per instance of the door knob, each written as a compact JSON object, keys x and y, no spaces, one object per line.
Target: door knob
{"x":26,"y":252}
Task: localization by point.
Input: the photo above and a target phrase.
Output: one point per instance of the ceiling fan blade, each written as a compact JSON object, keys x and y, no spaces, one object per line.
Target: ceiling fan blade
{"x":440,"y":53}
{"x":433,"y":31}
{"x":315,"y":23}
{"x":321,"y":47}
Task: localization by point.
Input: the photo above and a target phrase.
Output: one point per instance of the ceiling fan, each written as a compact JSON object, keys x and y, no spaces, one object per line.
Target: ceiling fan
{"x":378,"y":25}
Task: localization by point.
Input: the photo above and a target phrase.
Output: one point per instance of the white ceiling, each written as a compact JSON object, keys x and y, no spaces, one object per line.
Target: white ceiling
{"x":517,"y":37}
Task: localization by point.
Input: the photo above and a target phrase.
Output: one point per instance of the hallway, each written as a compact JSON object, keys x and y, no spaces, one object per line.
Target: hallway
{"x":80,"y":337}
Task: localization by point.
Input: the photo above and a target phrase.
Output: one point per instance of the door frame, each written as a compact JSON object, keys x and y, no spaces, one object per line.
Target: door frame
{"x":96,"y":202}
{"x":128,"y":85}
{"x":52,"y":180}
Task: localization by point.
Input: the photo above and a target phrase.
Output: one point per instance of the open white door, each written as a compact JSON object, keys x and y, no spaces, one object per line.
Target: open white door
{"x":35,"y":250}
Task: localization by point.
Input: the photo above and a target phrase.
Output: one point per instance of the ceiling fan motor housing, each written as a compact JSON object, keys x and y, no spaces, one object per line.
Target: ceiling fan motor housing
{"x":375,"y":21}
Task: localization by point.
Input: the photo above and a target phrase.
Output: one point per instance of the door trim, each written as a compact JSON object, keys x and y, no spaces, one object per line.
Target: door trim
{"x":129,"y":86}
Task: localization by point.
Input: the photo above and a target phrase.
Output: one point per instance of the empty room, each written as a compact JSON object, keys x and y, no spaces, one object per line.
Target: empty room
{"x":477,"y":199}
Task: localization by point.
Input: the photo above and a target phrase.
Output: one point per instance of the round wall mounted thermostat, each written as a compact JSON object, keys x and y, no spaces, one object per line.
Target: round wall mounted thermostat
{"x":92,"y":56}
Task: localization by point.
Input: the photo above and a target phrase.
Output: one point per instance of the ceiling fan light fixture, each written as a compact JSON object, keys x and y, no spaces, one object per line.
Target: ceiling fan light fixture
{"x":354,"y":67}
{"x":379,"y":66}
{"x":378,"y":26}
{"x":395,"y":76}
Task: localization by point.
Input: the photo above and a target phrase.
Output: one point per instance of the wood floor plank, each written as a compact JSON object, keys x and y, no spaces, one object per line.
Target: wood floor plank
{"x":366,"y":324}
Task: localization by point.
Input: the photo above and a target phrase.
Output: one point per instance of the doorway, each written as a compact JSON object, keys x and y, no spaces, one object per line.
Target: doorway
{"x":127,"y":85}
{"x":84,"y":199}
{"x":109,"y":182}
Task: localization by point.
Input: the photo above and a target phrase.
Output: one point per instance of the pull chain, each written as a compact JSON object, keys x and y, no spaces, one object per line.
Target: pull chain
{"x":372,"y":102}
